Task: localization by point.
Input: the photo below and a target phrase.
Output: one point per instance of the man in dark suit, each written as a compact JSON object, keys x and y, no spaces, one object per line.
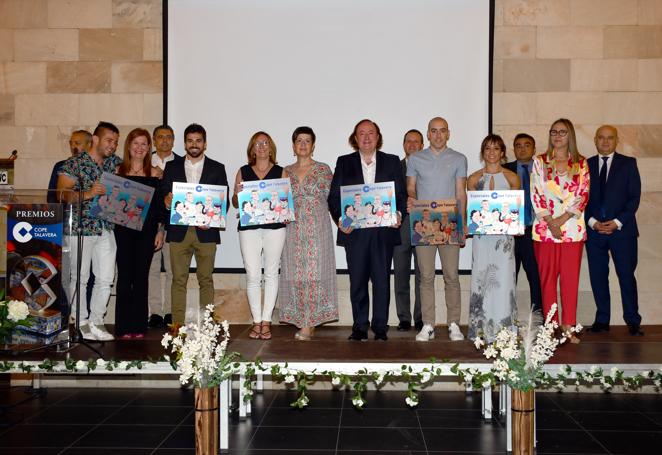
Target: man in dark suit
{"x":188,"y":241}
{"x":159,"y":302}
{"x":525,"y":148}
{"x":368,"y":251}
{"x":612,"y":228}
{"x":412,"y":143}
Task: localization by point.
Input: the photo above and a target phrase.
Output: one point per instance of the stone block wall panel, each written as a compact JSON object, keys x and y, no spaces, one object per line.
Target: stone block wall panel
{"x":79,"y":77}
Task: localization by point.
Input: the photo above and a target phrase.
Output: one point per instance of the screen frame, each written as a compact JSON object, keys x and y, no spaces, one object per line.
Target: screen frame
{"x":490,"y":104}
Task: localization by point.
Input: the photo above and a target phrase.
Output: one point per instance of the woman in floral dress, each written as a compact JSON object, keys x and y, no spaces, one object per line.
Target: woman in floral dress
{"x":492,"y":305}
{"x":559,"y":194}
{"x":308,"y":266}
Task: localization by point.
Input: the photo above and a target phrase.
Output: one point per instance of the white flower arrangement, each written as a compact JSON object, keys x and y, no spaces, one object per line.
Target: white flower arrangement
{"x":12,"y":314}
{"x":201,"y":351}
{"x":520,"y":355}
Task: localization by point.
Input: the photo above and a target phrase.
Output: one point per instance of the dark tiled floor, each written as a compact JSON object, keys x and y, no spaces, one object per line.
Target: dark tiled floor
{"x":160,"y":422}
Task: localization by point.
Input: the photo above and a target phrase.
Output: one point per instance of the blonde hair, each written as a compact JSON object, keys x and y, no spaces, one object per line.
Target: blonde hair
{"x":250,"y":153}
{"x":573,"y":151}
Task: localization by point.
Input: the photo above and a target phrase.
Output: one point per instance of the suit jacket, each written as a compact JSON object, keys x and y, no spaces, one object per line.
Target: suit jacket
{"x":213,"y":173}
{"x":621,"y":199}
{"x":349,"y":172}
{"x":176,"y":158}
{"x":511,"y":166}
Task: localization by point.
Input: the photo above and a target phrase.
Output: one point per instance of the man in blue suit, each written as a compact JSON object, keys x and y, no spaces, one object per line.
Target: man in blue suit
{"x":612,"y":228}
{"x":368,"y":251}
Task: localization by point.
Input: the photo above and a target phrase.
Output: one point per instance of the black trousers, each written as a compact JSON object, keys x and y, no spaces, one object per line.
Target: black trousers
{"x":134,"y":257}
{"x":524,"y":256}
{"x":369,"y":260}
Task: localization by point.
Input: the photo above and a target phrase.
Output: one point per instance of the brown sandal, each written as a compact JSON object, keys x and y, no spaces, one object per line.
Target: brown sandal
{"x":266,"y":331}
{"x":256,"y":332}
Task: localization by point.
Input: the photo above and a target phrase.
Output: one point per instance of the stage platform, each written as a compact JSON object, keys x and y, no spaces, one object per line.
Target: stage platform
{"x":331,"y":351}
{"x":330,"y":345}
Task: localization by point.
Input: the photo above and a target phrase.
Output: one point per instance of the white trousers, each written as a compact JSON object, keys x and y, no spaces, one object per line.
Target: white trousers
{"x":256,"y":245}
{"x":158,"y":297}
{"x":99,"y":254}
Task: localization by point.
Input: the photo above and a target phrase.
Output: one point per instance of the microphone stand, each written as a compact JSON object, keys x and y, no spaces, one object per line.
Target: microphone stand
{"x":77,"y":337}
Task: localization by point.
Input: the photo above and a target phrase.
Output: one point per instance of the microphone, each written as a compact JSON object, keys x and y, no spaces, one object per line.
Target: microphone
{"x":13,"y":155}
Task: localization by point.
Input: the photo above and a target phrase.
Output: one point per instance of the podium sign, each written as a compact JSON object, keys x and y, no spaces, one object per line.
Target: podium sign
{"x":34,"y":261}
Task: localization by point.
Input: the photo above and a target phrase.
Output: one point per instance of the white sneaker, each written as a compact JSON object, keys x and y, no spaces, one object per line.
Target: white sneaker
{"x":99,"y":332}
{"x":454,"y":332}
{"x":85,"y":330}
{"x":426,"y":333}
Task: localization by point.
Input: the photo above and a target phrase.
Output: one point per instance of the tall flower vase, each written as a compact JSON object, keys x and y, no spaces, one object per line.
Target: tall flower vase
{"x":523,"y":406}
{"x":206,"y":420}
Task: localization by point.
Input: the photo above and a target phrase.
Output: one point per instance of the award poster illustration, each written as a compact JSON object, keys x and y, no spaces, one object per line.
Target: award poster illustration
{"x":198,"y":204}
{"x":368,"y":205}
{"x":436,"y":222}
{"x":266,"y":202}
{"x":495,"y":212}
{"x":125,"y":203}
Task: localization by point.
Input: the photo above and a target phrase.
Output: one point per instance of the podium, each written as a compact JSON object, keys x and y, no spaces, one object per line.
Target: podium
{"x":35,"y":258}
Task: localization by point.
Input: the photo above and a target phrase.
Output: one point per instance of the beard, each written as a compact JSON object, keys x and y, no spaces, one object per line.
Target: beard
{"x":194,"y":152}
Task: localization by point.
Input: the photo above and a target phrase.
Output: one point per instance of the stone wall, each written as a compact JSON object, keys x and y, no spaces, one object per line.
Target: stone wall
{"x":66,"y":64}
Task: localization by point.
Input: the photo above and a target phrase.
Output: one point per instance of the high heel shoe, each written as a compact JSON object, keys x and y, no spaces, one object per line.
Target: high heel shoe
{"x":570,"y":335}
{"x":304,"y":337}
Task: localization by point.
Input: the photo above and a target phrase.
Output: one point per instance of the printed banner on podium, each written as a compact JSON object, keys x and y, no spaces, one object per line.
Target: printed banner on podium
{"x":495,"y":212}
{"x":368,"y":205}
{"x":34,"y":261}
{"x":436,"y":222}
{"x":266,"y":202}
{"x":198,"y":204}
{"x":125,"y":203}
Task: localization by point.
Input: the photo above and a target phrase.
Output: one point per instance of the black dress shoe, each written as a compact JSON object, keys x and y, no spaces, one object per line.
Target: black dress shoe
{"x":599,"y":327}
{"x":635,"y":331}
{"x":404,"y":326}
{"x":358,"y":335}
{"x":381,"y":335}
{"x":418,"y":326}
{"x":155,"y":321}
{"x":167,"y":319}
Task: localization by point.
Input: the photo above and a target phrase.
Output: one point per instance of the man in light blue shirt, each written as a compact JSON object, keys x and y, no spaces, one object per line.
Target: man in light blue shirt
{"x":438,"y":172}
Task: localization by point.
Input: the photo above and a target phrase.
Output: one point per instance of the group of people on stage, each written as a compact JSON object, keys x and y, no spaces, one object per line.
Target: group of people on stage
{"x":570,"y":201}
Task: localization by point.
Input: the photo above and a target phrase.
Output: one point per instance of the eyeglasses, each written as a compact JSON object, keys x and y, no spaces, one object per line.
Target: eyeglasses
{"x":261,"y":143}
{"x":562,"y":133}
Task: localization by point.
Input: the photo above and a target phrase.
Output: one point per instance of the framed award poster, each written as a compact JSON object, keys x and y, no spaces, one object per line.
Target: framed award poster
{"x":497,"y":212}
{"x":436,"y":222}
{"x":198,"y":204}
{"x":368,"y":205}
{"x":266,"y":202}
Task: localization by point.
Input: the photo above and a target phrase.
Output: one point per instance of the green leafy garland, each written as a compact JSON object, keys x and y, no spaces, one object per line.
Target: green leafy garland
{"x":358,"y":381}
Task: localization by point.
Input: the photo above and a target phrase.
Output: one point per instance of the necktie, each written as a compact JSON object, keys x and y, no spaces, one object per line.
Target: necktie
{"x":603,"y":181}
{"x":526,"y":185}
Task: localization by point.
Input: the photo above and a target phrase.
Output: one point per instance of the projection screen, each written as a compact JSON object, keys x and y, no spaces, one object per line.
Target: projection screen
{"x":240,"y":66}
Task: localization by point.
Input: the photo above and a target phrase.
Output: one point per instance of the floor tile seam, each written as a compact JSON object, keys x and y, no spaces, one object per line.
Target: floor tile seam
{"x":582,"y":428}
{"x":649,"y":419}
{"x":94,"y":427}
{"x":102,"y":424}
{"x":342,"y":409}
{"x":420,"y":429}
{"x":257,"y":427}
{"x":176,"y":427}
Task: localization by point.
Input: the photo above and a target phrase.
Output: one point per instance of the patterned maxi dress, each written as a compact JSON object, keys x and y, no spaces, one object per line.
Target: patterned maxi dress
{"x":307,"y":295}
{"x":492,"y":304}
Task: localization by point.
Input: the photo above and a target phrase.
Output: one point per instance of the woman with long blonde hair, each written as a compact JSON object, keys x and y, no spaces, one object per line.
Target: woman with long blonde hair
{"x":559,"y":194}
